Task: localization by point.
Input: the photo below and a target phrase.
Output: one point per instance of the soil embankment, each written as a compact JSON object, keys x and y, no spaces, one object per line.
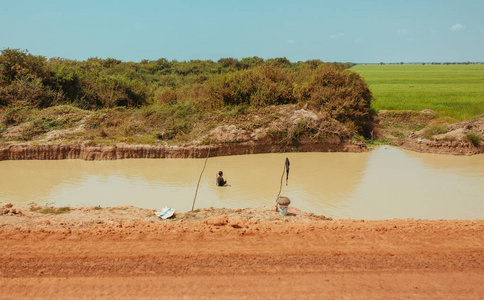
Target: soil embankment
{"x":416,"y":131}
{"x":284,"y":128}
{"x":127,"y":253}
{"x":123,"y":151}
{"x":425,"y":132}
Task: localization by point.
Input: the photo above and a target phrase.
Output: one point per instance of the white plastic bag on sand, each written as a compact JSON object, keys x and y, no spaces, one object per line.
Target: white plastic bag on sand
{"x":165,"y":213}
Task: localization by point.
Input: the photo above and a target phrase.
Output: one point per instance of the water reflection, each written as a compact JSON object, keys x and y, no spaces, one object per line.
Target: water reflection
{"x":404,"y":184}
{"x":385,"y":183}
{"x":317,"y":181}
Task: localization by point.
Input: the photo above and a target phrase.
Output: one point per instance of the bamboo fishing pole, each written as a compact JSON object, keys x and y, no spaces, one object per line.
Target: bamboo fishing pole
{"x":198,"y":184}
{"x":282,"y":177}
{"x":284,"y":170}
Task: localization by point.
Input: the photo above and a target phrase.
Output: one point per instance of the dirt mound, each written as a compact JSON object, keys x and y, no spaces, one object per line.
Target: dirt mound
{"x":217,"y":221}
{"x":459,"y":131}
{"x":424,"y":132}
{"x":9,"y":210}
{"x":32,"y":215}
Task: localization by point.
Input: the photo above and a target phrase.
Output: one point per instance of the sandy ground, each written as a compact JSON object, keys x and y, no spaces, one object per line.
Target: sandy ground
{"x":126,"y":253}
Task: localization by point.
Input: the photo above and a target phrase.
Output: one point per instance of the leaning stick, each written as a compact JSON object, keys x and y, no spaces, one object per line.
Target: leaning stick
{"x":198,"y":184}
{"x":280,"y":187}
{"x":282,"y":177}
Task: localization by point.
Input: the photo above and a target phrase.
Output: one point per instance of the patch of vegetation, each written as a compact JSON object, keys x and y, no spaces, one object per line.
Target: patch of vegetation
{"x":451,"y":90}
{"x":358,"y":138}
{"x":378,"y":142}
{"x":417,"y":127}
{"x":49,"y":210}
{"x":119,"y":208}
{"x":171,"y":96}
{"x":292,"y":134}
{"x":474,"y":138}
{"x":13,"y":115}
{"x":449,"y":138}
{"x":405,"y":120}
{"x":397,"y":133}
{"x":434,"y":130}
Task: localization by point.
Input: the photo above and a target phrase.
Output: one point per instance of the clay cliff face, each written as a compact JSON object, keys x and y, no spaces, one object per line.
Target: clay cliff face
{"x":440,"y":147}
{"x":123,"y":151}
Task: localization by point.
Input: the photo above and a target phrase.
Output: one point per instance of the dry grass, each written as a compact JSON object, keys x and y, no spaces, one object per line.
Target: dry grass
{"x":49,"y":209}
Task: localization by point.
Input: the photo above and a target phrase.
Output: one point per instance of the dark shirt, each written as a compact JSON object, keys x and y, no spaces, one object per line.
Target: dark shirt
{"x":221,"y":181}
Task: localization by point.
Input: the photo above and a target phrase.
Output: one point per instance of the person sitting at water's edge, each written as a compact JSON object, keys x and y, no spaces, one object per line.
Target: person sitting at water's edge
{"x":220,"y":179}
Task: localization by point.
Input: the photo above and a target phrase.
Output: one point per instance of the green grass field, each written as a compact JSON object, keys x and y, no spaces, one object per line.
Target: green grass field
{"x":451,"y":90}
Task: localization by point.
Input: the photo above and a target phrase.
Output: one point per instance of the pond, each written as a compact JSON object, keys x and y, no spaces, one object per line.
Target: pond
{"x":382,"y":184}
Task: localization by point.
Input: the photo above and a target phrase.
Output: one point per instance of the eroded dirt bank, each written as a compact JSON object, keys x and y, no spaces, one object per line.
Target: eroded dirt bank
{"x":123,"y":151}
{"x":424,"y":132}
{"x":276,"y":129}
{"x":126,"y":253}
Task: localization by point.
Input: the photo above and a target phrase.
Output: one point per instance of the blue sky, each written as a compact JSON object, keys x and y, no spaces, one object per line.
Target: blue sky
{"x":339,"y":30}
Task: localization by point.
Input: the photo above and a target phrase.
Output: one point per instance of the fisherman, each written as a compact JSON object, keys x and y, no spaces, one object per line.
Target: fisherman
{"x":220,"y":179}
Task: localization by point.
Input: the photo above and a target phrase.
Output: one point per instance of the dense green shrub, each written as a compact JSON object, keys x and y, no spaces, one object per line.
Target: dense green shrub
{"x":258,"y":86}
{"x":33,"y":81}
{"x":30,"y":92}
{"x":474,"y":138}
{"x":342,"y":94}
{"x":13,"y":115}
{"x":15,"y":64}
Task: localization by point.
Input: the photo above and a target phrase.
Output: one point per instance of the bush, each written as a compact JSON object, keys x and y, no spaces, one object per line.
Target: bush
{"x":15,"y":64}
{"x":434,"y":130}
{"x":31,"y":81}
{"x":340,"y":93}
{"x":14,"y":115}
{"x":259,"y":86}
{"x":474,"y":138}
{"x":29,"y":92}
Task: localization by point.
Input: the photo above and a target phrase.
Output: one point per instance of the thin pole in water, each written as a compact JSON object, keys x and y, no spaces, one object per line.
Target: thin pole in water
{"x":198,"y":184}
{"x":285,"y":170}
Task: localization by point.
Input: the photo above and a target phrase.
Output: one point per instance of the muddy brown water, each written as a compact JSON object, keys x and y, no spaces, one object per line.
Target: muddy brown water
{"x":382,"y":184}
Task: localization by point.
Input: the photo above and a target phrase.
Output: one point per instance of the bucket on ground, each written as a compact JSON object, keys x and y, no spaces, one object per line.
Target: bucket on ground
{"x":283,"y":209}
{"x":283,"y":204}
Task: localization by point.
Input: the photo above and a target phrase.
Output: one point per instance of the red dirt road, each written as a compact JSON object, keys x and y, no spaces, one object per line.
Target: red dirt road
{"x":246,"y":260}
